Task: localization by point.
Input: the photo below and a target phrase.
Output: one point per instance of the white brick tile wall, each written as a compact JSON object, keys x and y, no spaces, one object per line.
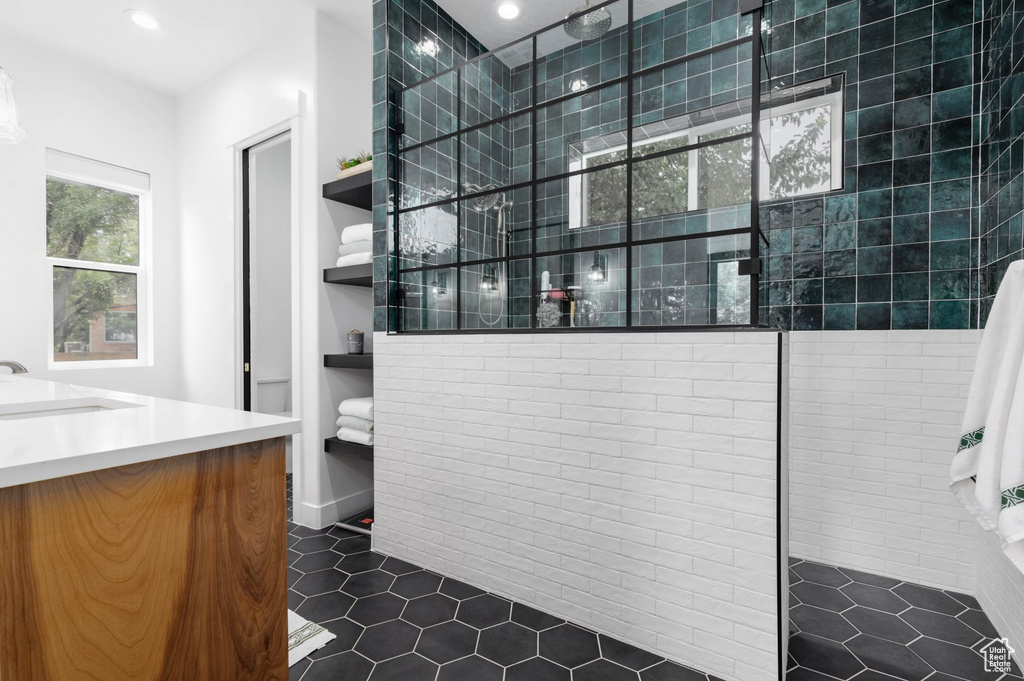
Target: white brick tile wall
{"x":875,"y":420}
{"x":624,"y":481}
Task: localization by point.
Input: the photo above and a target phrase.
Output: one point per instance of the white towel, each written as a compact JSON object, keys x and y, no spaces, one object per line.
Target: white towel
{"x":363,"y":232}
{"x":987,"y":474}
{"x":355,"y":423}
{"x":356,"y":247}
{"x":356,"y":436}
{"x":360,"y":407}
{"x":355,"y":259}
{"x":304,"y":637}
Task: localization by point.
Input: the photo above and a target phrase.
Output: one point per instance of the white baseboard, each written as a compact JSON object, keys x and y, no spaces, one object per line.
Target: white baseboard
{"x":319,"y":517}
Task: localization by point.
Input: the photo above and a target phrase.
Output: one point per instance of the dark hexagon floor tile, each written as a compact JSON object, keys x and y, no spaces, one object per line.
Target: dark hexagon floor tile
{"x":952,"y":659}
{"x":625,"y":654}
{"x":357,"y":543}
{"x":398,"y":567}
{"x":301,"y":531}
{"x":459,"y":590}
{"x":314,"y":562}
{"x":870,"y":579}
{"x":942,"y":627}
{"x":889,"y":658}
{"x":533,"y":618}
{"x":537,"y":669}
{"x":409,"y":667}
{"x":447,"y":642}
{"x":368,"y":583}
{"x":348,"y":666}
{"x":342,"y":533}
{"x":325,"y":607}
{"x":821,"y":596}
{"x":873,"y":597}
{"x":969,"y":601}
{"x":426,"y":611}
{"x":293,"y":556}
{"x":324,"y":581}
{"x":670,"y":671}
{"x":604,"y":670}
{"x":294,"y":600}
{"x":823,"y":623}
{"x":821,"y":574}
{"x":360,"y":562}
{"x":980,"y":622}
{"x":872,"y":675}
{"x":881,"y":624}
{"x":293,"y":576}
{"x":416,"y":584}
{"x":346,"y":632}
{"x":376,"y":609}
{"x":929,"y":599}
{"x":474,"y":668}
{"x":384,"y":641}
{"x":320,"y":542}
{"x":804,"y":674}
{"x":484,"y":611}
{"x":569,"y":646}
{"x":824,"y":656}
{"x":507,"y":644}
{"x":296,"y":671}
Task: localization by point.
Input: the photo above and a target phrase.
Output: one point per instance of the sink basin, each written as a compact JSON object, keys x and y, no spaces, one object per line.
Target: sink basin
{"x":78,"y":405}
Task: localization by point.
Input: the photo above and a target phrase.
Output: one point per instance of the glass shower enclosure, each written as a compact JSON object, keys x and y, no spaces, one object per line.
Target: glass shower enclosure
{"x":594,"y":175}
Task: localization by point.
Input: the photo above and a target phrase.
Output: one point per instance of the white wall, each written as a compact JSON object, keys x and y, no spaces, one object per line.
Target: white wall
{"x":344,"y":77}
{"x":72,"y":106}
{"x":623,"y":481}
{"x":875,"y":422}
{"x":1001,"y":591}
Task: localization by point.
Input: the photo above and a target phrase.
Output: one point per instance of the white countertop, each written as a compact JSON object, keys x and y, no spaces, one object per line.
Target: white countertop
{"x":49,"y":446}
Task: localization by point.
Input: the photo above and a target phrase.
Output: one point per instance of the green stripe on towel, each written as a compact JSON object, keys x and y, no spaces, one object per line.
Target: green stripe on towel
{"x":968,"y":440}
{"x":1013,"y":496}
{"x":303,"y":634}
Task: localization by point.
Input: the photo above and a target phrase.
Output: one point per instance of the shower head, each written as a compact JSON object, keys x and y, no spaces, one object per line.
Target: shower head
{"x":484,"y":202}
{"x":584,"y":23}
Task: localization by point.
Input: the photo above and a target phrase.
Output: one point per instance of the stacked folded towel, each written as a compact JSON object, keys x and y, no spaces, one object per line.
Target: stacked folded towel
{"x":356,"y":245}
{"x":356,"y":421}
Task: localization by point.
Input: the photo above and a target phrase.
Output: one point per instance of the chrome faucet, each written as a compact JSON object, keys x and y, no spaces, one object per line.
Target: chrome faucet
{"x":14,"y":367}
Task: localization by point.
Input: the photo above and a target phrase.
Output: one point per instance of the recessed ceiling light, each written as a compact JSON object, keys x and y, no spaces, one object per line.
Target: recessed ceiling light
{"x":142,"y":19}
{"x":509,"y":10}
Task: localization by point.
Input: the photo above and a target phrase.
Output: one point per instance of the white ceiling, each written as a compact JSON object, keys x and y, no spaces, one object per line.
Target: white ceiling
{"x":480,"y":17}
{"x":199,"y":38}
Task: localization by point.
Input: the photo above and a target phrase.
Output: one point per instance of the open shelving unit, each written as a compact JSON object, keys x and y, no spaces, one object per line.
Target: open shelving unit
{"x":355,"y":190}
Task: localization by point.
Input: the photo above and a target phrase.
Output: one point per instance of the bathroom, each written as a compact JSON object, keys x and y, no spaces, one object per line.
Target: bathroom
{"x":646,"y":405}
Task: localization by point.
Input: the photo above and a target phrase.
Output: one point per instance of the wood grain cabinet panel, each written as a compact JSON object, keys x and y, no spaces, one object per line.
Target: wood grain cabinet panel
{"x":170,"y":570}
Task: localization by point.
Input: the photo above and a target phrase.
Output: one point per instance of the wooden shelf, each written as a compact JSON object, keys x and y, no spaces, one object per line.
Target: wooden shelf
{"x":354,"y":275}
{"x":349,"y":361}
{"x":333,"y":445}
{"x":355,"y":190}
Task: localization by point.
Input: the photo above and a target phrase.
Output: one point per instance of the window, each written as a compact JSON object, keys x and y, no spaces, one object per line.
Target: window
{"x":803,"y":147}
{"x":97,"y":218}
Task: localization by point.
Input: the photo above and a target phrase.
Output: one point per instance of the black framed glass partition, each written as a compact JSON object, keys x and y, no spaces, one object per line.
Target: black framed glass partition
{"x":587,"y":177}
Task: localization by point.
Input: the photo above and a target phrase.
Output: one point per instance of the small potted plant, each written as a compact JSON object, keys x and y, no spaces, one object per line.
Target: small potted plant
{"x":353,"y":166}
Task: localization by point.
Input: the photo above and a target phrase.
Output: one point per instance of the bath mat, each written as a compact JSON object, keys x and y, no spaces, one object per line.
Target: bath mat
{"x":304,"y":637}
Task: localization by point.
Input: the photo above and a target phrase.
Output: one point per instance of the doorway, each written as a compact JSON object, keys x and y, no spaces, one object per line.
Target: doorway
{"x":267,"y":277}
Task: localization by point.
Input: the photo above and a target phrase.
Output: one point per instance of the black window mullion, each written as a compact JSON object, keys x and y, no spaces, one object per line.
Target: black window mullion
{"x":630,"y":85}
{"x":534,"y":203}
{"x":458,"y":193}
{"x":755,"y":170}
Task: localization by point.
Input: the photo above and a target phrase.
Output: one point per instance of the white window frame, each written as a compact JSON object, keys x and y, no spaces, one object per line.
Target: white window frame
{"x":578,"y":207}
{"x":72,"y":168}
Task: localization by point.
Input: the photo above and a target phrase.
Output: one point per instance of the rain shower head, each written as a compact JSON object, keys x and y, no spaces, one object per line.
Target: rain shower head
{"x":584,"y":23}
{"x":484,"y":202}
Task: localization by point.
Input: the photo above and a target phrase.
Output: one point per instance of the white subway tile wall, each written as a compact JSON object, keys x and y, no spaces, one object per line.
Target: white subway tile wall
{"x":1000,"y":590}
{"x":875,"y":422}
{"x":623,"y":481}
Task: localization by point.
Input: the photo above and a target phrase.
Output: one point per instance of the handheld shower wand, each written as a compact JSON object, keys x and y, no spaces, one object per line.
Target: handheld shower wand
{"x":483,"y":203}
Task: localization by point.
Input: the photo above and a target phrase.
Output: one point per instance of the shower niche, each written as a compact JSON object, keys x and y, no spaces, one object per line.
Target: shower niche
{"x":597,"y":174}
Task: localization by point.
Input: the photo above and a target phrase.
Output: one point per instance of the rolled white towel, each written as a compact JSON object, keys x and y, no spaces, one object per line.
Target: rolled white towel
{"x":355,"y":423}
{"x":360,"y":407}
{"x":355,"y":259}
{"x":356,"y":247}
{"x":363,"y":232}
{"x":356,"y":436}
